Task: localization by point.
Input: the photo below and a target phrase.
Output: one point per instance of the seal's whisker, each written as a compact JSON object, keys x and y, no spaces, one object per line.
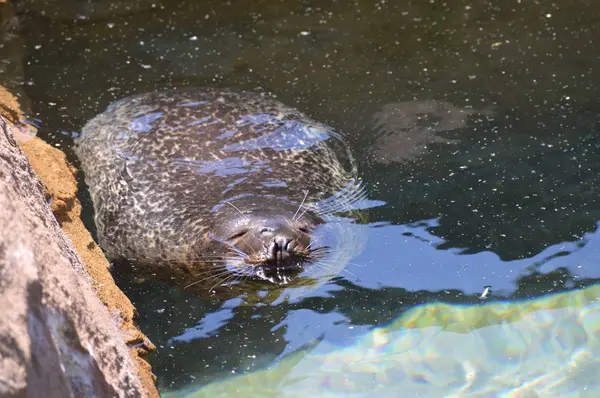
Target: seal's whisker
{"x":209,"y":274}
{"x":305,"y":210}
{"x":354,"y":264}
{"x":194,"y":283}
{"x":320,"y":248}
{"x":213,"y":272}
{"x":309,"y":245}
{"x":208,"y":259}
{"x":239,"y":211}
{"x":317,"y":255}
{"x":357,"y":265}
{"x":230,"y":245}
{"x":334,"y":252}
{"x":217,"y":276}
{"x":321,"y":266}
{"x":223,"y":281}
{"x":299,"y":207}
{"x":250,"y":246}
{"x":212,"y":262}
{"x":330,"y":267}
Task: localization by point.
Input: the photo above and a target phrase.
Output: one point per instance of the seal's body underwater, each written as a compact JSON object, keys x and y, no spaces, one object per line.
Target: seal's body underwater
{"x":231,"y":182}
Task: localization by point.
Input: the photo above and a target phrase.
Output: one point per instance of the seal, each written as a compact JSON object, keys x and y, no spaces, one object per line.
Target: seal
{"x":208,"y":186}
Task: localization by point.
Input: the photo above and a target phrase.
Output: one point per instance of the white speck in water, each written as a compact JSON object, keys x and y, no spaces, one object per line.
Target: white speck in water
{"x":146,"y":66}
{"x":37,"y":46}
{"x":304,"y":33}
{"x":548,"y":15}
{"x":194,"y":38}
{"x":110,"y":25}
{"x":485,"y":292}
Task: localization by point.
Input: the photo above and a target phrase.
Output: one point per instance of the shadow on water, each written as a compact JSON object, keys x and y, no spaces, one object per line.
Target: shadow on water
{"x":504,"y":193}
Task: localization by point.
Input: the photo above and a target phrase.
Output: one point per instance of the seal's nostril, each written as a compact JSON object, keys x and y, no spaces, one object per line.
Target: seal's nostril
{"x":291,"y":245}
{"x":282,"y":244}
{"x":288,"y":245}
{"x":281,"y":249}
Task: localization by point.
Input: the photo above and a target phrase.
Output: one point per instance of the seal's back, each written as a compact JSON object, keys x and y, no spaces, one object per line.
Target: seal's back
{"x":158,"y":163}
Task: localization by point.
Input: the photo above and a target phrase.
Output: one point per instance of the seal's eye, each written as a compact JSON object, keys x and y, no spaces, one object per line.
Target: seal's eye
{"x":304,"y":229}
{"x":239,"y":234}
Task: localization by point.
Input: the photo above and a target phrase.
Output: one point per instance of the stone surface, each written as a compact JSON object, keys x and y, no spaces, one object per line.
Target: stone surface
{"x":57,"y":339}
{"x":58,"y":177}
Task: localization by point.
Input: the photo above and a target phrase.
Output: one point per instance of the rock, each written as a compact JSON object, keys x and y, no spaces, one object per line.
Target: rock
{"x":57,"y":339}
{"x":58,"y":177}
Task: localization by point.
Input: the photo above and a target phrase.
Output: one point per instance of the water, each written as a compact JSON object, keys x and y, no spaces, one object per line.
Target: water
{"x":542,"y":348}
{"x":490,"y":179}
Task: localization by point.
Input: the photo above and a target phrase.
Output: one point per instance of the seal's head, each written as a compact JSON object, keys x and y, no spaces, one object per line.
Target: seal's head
{"x":268,"y":238}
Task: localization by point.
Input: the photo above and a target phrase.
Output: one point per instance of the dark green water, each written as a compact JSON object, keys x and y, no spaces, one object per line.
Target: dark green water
{"x":508,"y":197}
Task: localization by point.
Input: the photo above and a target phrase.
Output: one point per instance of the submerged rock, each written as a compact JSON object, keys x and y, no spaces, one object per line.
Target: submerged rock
{"x":405,"y":129}
{"x":546,"y":347}
{"x":57,"y":339}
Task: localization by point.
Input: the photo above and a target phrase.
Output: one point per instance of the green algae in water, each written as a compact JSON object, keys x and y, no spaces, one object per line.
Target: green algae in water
{"x":547,"y":347}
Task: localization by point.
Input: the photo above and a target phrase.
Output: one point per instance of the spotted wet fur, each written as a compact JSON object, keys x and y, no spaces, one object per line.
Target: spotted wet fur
{"x":158,"y":164}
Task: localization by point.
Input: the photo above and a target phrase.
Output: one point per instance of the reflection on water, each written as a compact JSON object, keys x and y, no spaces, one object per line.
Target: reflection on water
{"x":541,"y":348}
{"x":511,"y":203}
{"x":405,"y":129}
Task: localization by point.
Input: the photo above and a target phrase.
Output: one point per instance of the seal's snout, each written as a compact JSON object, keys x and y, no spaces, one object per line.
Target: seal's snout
{"x":270,"y":242}
{"x":281,"y":249}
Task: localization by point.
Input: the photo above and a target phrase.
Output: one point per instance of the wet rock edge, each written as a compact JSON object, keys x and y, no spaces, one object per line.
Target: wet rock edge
{"x":60,"y":189}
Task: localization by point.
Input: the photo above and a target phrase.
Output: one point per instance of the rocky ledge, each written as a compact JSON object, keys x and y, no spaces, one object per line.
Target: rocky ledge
{"x":67,"y":329}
